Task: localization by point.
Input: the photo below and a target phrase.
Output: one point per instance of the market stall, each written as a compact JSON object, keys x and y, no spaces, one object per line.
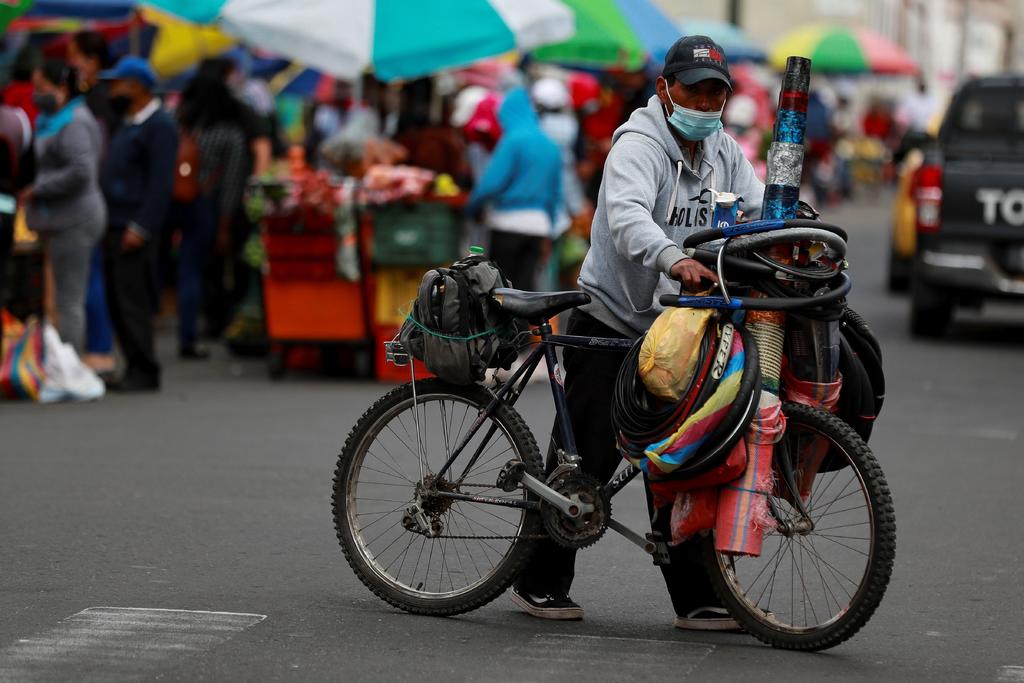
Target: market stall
{"x":343,"y":258}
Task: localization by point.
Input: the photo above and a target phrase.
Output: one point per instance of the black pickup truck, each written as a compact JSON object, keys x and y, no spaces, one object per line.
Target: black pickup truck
{"x":969,"y":196}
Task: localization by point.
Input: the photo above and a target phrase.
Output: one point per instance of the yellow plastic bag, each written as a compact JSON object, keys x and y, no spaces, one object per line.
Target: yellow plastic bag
{"x":668,"y":355}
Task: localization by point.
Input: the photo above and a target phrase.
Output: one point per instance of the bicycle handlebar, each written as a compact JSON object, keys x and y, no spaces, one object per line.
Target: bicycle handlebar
{"x":702,"y":236}
{"x":759,"y":303}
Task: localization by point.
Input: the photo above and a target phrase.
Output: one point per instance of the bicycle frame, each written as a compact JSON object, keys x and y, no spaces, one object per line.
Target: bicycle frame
{"x":512,"y":389}
{"x":509,"y":393}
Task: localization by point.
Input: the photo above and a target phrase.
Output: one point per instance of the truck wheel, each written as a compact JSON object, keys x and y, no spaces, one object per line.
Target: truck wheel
{"x":930,"y":311}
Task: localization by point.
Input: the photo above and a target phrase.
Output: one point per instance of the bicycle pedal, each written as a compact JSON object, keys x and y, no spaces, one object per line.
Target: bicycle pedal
{"x":510,"y":475}
{"x":660,"y":556}
{"x":395,"y":353}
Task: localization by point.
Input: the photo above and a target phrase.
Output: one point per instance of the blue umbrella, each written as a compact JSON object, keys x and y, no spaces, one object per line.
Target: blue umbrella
{"x":83,"y":9}
{"x":654,"y":29}
{"x":738,"y":45}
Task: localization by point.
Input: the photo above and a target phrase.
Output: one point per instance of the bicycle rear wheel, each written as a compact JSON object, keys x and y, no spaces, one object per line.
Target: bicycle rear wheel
{"x":391,"y":460}
{"x":813,"y":589}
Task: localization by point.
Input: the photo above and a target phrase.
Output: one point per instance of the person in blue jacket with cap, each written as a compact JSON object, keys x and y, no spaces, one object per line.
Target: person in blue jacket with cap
{"x":521,"y":189}
{"x":137,"y":180}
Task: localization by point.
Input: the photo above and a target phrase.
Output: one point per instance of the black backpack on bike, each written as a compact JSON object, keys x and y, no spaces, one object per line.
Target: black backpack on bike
{"x":454,"y":327}
{"x":860,"y":362}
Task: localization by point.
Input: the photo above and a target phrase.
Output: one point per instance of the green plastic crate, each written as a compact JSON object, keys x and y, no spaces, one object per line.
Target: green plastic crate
{"x":416,"y":234}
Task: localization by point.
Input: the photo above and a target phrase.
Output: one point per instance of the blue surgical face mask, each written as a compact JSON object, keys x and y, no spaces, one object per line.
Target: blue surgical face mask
{"x":694,"y":125}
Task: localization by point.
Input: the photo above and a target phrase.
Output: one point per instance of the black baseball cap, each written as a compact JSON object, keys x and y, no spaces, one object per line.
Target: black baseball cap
{"x":696,"y":58}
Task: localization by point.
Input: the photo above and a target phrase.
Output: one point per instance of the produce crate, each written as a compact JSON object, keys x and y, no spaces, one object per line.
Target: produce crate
{"x":308,"y":310}
{"x":416,"y":234}
{"x":395,"y":290}
{"x":389,"y":372}
{"x":281,"y":221}
{"x":310,"y":270}
{"x":280,"y":246}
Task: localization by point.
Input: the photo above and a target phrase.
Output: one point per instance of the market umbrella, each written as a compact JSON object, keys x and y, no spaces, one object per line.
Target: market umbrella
{"x":398,"y":38}
{"x":82,"y":9}
{"x":12,"y":10}
{"x":613,"y":33}
{"x":179,"y":44}
{"x":833,"y":48}
{"x":738,"y":46}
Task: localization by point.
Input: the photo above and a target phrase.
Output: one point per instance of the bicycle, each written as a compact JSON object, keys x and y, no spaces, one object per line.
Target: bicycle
{"x":440,"y":524}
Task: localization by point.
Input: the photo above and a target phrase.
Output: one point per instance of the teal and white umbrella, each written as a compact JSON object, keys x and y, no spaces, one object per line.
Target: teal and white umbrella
{"x":397,"y":38}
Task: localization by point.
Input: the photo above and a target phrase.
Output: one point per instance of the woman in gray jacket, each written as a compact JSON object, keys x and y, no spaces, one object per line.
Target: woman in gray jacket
{"x":65,"y":204}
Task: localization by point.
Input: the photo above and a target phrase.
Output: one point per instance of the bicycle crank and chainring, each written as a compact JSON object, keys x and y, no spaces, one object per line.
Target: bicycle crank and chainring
{"x":587,"y":529}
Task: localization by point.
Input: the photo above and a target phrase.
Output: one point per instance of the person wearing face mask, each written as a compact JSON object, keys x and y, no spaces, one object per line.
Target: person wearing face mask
{"x":65,"y":204}
{"x":88,"y":54}
{"x":663,"y":164}
{"x":137,"y":180}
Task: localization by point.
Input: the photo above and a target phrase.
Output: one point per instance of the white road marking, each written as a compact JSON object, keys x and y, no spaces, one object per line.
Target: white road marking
{"x":118,"y":643}
{"x":1010,"y":674}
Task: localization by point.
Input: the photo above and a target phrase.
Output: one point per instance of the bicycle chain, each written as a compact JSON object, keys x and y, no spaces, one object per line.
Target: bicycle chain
{"x":528,"y":537}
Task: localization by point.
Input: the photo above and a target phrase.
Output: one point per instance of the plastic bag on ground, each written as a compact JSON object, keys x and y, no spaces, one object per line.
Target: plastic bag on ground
{"x":67,"y":378}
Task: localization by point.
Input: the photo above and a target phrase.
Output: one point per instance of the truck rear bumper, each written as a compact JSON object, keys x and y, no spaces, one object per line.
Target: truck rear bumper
{"x":966,"y":267}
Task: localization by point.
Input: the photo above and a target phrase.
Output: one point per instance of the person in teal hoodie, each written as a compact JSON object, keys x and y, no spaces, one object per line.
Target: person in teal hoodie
{"x":520,"y":191}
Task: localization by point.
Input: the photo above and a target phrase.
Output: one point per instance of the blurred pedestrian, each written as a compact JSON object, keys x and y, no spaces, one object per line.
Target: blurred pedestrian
{"x":64,"y":204}
{"x":88,"y":54}
{"x":819,"y":141}
{"x":17,"y":170}
{"x":521,"y":190}
{"x":210,"y":119}
{"x":137,"y":179}
{"x":225,"y":278}
{"x":551,"y":97}
{"x":482,"y":132}
{"x":917,"y":108}
{"x":18,"y":92}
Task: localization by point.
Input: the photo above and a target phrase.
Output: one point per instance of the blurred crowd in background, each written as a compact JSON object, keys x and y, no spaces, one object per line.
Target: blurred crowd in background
{"x":137,"y":188}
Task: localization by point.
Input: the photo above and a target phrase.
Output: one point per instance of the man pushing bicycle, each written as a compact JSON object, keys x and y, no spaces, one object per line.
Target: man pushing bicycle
{"x":665,"y":163}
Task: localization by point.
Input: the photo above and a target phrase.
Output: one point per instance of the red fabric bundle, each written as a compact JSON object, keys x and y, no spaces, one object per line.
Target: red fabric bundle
{"x":743,"y":506}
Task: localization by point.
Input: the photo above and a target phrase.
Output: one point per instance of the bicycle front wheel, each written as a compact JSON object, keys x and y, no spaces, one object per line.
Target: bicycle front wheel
{"x":391,"y":462}
{"x":814,"y":587}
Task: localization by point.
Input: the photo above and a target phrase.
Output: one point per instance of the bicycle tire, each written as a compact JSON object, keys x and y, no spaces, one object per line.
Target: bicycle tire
{"x":871,"y":589}
{"x":351,"y":458}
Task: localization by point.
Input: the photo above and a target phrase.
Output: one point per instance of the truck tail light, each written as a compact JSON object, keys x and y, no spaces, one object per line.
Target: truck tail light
{"x":926,"y":190}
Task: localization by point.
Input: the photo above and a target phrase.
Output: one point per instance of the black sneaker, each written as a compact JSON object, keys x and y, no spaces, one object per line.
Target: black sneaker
{"x":707,"y":619}
{"x":559,"y":607}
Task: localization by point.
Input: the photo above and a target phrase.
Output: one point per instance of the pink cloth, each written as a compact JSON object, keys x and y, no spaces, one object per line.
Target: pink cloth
{"x":824,"y":395}
{"x":743,"y":505}
{"x":694,"y":511}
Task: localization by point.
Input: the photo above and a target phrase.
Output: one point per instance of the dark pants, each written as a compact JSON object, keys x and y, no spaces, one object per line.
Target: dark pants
{"x":226,"y":278}
{"x":198,"y":223}
{"x":518,"y":256}
{"x":589,"y":386}
{"x":99,"y":336}
{"x":132,"y":298}
{"x":6,"y":244}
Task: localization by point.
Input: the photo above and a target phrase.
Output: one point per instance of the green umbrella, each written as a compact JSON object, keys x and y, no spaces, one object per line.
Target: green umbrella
{"x":11,"y":10}
{"x":604,"y":38}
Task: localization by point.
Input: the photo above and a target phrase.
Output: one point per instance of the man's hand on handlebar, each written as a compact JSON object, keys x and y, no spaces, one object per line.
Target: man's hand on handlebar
{"x":690,"y":272}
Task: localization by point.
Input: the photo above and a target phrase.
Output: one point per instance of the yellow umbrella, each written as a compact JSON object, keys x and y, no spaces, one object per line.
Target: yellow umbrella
{"x":179,"y":44}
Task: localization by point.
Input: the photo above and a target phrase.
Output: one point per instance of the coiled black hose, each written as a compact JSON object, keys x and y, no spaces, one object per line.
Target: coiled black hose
{"x":638,"y":426}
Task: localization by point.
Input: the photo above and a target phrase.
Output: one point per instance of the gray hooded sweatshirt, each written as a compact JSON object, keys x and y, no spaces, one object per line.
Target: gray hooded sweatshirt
{"x":651,"y":198}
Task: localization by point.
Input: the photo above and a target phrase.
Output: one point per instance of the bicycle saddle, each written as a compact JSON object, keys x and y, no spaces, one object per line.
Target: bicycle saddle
{"x":537,"y":305}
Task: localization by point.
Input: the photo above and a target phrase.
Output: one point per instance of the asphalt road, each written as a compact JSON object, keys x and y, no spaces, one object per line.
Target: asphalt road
{"x":214,"y":496}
